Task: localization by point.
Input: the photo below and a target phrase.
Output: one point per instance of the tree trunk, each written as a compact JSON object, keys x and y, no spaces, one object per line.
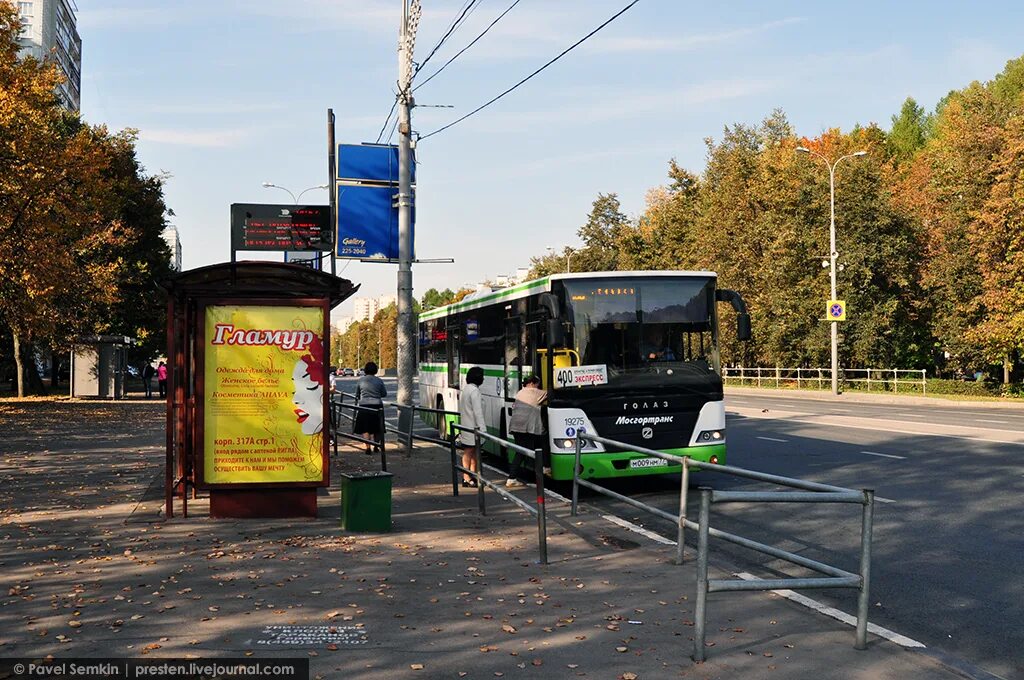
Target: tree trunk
{"x":19,"y":366}
{"x":1007,"y":366}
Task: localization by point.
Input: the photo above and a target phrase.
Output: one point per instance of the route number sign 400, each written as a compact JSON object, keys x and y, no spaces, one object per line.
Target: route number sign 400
{"x":579,"y":376}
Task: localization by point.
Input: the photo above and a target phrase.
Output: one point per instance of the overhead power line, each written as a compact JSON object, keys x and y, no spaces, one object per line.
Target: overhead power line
{"x":459,"y":18}
{"x":459,"y":53}
{"x":387,"y":120}
{"x":524,"y":80}
{"x":467,"y":9}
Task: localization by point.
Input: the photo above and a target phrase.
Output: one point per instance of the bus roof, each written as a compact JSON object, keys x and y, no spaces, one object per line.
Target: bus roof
{"x":485,"y":298}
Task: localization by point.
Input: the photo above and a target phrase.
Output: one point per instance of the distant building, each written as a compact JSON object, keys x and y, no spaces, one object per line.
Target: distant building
{"x":49,"y":31}
{"x":342,"y":324}
{"x":170,"y":235}
{"x":364,"y":308}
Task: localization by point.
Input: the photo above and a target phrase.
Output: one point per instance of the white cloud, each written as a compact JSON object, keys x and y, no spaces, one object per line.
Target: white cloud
{"x":685,"y":43}
{"x":100,"y":18}
{"x":625,"y":105}
{"x":977,"y":59}
{"x":206,"y":139}
{"x":317,"y":15}
{"x":206,"y":108}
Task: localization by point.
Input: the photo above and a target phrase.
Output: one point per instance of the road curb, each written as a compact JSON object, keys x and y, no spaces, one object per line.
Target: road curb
{"x":861,"y":398}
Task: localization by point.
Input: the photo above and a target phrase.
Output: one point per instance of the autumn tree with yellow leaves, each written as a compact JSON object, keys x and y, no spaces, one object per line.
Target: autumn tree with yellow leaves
{"x":80,"y":221}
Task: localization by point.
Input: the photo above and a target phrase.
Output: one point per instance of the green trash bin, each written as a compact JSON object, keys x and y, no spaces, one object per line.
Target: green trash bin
{"x":366,"y":501}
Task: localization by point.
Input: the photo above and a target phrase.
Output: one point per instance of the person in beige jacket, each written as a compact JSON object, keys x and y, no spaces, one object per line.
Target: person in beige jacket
{"x":526,"y":425}
{"x":471,"y":415}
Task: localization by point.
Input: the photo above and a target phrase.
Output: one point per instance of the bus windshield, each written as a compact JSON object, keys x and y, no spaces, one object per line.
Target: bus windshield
{"x":645,"y":330}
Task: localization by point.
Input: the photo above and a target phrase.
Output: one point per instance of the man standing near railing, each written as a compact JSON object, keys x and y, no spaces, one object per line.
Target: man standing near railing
{"x":526,"y":425}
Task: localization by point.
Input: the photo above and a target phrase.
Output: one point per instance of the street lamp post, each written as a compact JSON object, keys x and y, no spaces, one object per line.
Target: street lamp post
{"x":569,"y":252}
{"x":833,"y":253}
{"x":295,"y":200}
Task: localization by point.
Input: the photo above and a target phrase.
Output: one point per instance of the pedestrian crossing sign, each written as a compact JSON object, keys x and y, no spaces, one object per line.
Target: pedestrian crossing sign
{"x":836,"y":310}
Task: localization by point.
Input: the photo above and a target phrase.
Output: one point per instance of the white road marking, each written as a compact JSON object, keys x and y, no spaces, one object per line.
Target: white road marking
{"x":884,"y":455}
{"x":982,"y":420}
{"x":901,"y":640}
{"x":773,"y":439}
{"x":841,"y":410}
{"x":625,"y":524}
{"x":891,"y":430}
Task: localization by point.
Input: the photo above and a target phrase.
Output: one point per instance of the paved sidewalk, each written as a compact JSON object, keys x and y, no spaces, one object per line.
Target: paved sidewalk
{"x":90,"y":568}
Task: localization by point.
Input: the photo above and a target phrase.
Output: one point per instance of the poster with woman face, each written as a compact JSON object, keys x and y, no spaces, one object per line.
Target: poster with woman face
{"x":263,"y":394}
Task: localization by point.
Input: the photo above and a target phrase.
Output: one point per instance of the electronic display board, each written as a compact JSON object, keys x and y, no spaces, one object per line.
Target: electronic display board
{"x":263,"y":226}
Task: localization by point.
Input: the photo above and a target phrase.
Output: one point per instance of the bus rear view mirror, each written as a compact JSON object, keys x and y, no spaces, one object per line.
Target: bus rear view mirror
{"x":743,"y":327}
{"x":556,"y":334}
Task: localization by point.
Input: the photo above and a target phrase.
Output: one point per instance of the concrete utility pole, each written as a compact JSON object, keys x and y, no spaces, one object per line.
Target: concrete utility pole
{"x":406,"y":331}
{"x":833,"y":253}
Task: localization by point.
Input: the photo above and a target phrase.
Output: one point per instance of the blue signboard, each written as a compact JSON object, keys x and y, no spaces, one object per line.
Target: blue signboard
{"x":369,"y":163}
{"x":368,"y":223}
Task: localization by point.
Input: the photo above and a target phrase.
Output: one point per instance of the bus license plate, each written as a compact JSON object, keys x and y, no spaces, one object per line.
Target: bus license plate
{"x":646,"y":463}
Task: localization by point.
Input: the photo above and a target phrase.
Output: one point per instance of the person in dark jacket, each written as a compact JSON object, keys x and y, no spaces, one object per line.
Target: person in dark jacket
{"x":370,"y":393}
{"x":147,"y":379}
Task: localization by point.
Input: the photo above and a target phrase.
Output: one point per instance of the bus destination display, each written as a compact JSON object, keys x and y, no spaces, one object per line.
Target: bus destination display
{"x":260,"y":226}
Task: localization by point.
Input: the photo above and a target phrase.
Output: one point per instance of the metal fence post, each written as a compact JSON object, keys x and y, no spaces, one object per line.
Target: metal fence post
{"x":777,"y":375}
{"x":895,"y":380}
{"x":924,"y":382}
{"x":683,"y":490}
{"x":479,"y":476}
{"x":799,"y":386}
{"x":335,"y":425}
{"x":700,"y":611}
{"x":869,"y":380}
{"x":576,"y":475}
{"x":542,"y":514}
{"x":381,"y":434}
{"x":864,"y":598}
{"x":455,"y":472}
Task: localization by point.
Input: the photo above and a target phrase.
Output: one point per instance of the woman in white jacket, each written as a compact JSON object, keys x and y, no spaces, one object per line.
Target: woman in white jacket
{"x":471,"y":415}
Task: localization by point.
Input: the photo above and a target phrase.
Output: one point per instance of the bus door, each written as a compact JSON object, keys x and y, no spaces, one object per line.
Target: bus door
{"x":454,"y":355}
{"x":514,"y":357}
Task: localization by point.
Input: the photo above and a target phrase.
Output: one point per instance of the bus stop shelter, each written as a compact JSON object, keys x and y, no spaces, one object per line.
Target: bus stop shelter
{"x":248,"y":347}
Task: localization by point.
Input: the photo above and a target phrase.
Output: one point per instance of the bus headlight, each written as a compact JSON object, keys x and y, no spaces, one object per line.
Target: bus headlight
{"x":711,"y":437}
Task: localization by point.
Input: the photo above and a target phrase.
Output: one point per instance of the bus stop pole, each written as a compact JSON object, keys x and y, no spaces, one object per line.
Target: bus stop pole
{"x":576,"y":476}
{"x":542,"y":515}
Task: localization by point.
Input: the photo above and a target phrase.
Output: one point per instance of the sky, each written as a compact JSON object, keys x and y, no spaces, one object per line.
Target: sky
{"x":228,"y":94}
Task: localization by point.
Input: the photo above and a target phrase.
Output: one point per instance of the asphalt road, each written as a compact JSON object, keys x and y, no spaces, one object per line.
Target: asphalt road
{"x":948,"y":566}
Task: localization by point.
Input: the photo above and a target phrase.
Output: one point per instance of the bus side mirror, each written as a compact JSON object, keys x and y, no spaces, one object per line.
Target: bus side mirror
{"x":556,"y":334}
{"x":743,"y":327}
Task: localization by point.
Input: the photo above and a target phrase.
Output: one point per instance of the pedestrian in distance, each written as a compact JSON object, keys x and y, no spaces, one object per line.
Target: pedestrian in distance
{"x":370,"y":393}
{"x":147,"y":379}
{"x":471,"y":415}
{"x":526,"y":425}
{"x":161,"y":377}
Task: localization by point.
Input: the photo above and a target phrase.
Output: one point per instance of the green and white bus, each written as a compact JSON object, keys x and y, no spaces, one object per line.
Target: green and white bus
{"x":630,"y":356}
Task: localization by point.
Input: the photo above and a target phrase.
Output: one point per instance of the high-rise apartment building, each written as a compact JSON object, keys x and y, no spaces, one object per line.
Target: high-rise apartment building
{"x":49,"y":30}
{"x":364,"y":308}
{"x":170,"y":235}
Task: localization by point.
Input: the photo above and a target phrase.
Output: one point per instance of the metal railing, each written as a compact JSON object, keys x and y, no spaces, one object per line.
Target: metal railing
{"x":540,"y":510}
{"x":339,"y":416}
{"x":870,"y":379}
{"x":810,"y":492}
